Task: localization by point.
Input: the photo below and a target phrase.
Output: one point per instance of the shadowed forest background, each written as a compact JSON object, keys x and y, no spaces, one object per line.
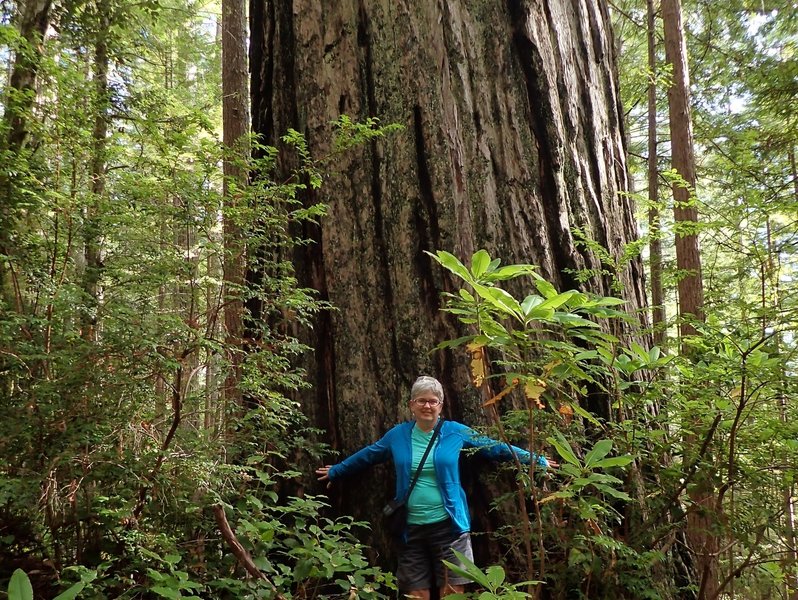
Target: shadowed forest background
{"x":232,"y":234}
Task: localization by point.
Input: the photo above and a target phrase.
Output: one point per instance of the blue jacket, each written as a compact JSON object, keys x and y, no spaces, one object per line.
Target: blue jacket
{"x":454,"y":437}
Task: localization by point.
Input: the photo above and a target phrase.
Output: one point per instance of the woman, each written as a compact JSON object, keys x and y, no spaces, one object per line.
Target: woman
{"x":437,"y":513}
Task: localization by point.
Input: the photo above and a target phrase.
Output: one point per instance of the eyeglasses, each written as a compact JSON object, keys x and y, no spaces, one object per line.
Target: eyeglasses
{"x":431,"y":403}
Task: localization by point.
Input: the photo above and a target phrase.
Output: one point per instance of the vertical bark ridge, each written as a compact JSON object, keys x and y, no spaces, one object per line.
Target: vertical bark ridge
{"x":425,"y":217}
{"x":540,"y":113}
{"x":377,"y":196}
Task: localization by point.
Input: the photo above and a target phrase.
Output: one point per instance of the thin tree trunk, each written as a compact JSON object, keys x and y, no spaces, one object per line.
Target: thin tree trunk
{"x":235,"y":117}
{"x":702,"y":519}
{"x":91,"y":225}
{"x":658,"y":316}
{"x":688,"y":257}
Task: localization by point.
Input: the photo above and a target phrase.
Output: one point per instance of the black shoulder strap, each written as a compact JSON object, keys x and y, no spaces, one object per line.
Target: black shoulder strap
{"x":424,"y":458}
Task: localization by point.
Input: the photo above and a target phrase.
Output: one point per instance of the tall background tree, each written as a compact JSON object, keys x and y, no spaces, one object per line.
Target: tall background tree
{"x":236,"y":125}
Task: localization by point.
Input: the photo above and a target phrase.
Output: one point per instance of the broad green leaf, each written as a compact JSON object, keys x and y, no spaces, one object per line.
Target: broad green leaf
{"x":468,"y":570}
{"x":572,"y":320}
{"x":570,"y":470}
{"x":613,"y":461}
{"x":564,"y":449}
{"x":19,"y":587}
{"x":466,"y":295}
{"x":512,"y":271}
{"x":640,"y":351}
{"x":654,"y":354}
{"x":495,"y":574}
{"x":450,"y":261}
{"x":530,"y":302}
{"x":71,"y":592}
{"x":494,"y":264}
{"x":586,"y":415}
{"x":597,"y":452}
{"x":166,"y":592}
{"x":611,"y":491}
{"x":605,"y":301}
{"x":479,"y":263}
{"x":604,"y":478}
{"x":499,"y":299}
{"x":545,"y":288}
{"x":558,"y":300}
{"x":542,"y":314}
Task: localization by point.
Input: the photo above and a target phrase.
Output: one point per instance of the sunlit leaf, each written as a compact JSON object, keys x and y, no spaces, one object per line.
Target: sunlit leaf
{"x":501,"y":394}
{"x":452,"y":263}
{"x":546,"y":289}
{"x":533,"y":388}
{"x":480,"y":262}
{"x":477,"y":363}
{"x":567,"y":413}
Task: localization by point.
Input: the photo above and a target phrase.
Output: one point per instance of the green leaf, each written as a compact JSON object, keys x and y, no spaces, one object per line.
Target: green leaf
{"x":531,"y":302}
{"x":450,"y":261}
{"x":605,"y":301}
{"x":166,"y":592}
{"x":71,"y":592}
{"x":597,"y":452}
{"x":466,"y":295}
{"x":499,"y":299}
{"x":19,"y":587}
{"x":586,"y":415}
{"x":512,"y":271}
{"x":558,"y":300}
{"x":564,"y":449}
{"x":495,"y":574}
{"x":572,"y":320}
{"x":469,"y":570}
{"x":546,"y":289}
{"x":611,"y":491}
{"x":615,"y":461}
{"x":480,"y":263}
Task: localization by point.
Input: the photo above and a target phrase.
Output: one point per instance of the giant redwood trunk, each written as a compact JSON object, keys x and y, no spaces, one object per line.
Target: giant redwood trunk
{"x":513,"y":138}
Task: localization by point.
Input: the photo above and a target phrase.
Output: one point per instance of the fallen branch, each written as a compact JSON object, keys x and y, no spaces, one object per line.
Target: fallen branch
{"x":239,"y":551}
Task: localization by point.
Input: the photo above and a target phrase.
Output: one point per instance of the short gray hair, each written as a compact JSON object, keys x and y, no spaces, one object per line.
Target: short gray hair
{"x":425,"y":384}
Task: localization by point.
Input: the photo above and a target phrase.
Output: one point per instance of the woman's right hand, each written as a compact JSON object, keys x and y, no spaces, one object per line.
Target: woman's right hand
{"x":324,"y":474}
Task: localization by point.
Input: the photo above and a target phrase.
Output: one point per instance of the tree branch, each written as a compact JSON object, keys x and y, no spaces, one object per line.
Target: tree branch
{"x":239,"y":551}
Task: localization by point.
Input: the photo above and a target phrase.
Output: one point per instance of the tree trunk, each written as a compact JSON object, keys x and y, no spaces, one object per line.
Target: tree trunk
{"x":513,"y":137}
{"x":91,"y":223}
{"x":235,"y":117}
{"x":701,"y":517}
{"x":33,"y":18}
{"x":688,"y":257}
{"x":658,"y":316}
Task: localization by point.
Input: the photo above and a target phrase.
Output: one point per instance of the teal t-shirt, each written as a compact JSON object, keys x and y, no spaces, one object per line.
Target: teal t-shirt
{"x":425,"y":504}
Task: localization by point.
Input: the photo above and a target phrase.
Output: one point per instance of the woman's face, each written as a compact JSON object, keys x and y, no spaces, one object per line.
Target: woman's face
{"x":426,"y":409}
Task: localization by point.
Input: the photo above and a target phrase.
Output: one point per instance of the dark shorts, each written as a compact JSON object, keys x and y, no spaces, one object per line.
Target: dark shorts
{"x":420,"y":565}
